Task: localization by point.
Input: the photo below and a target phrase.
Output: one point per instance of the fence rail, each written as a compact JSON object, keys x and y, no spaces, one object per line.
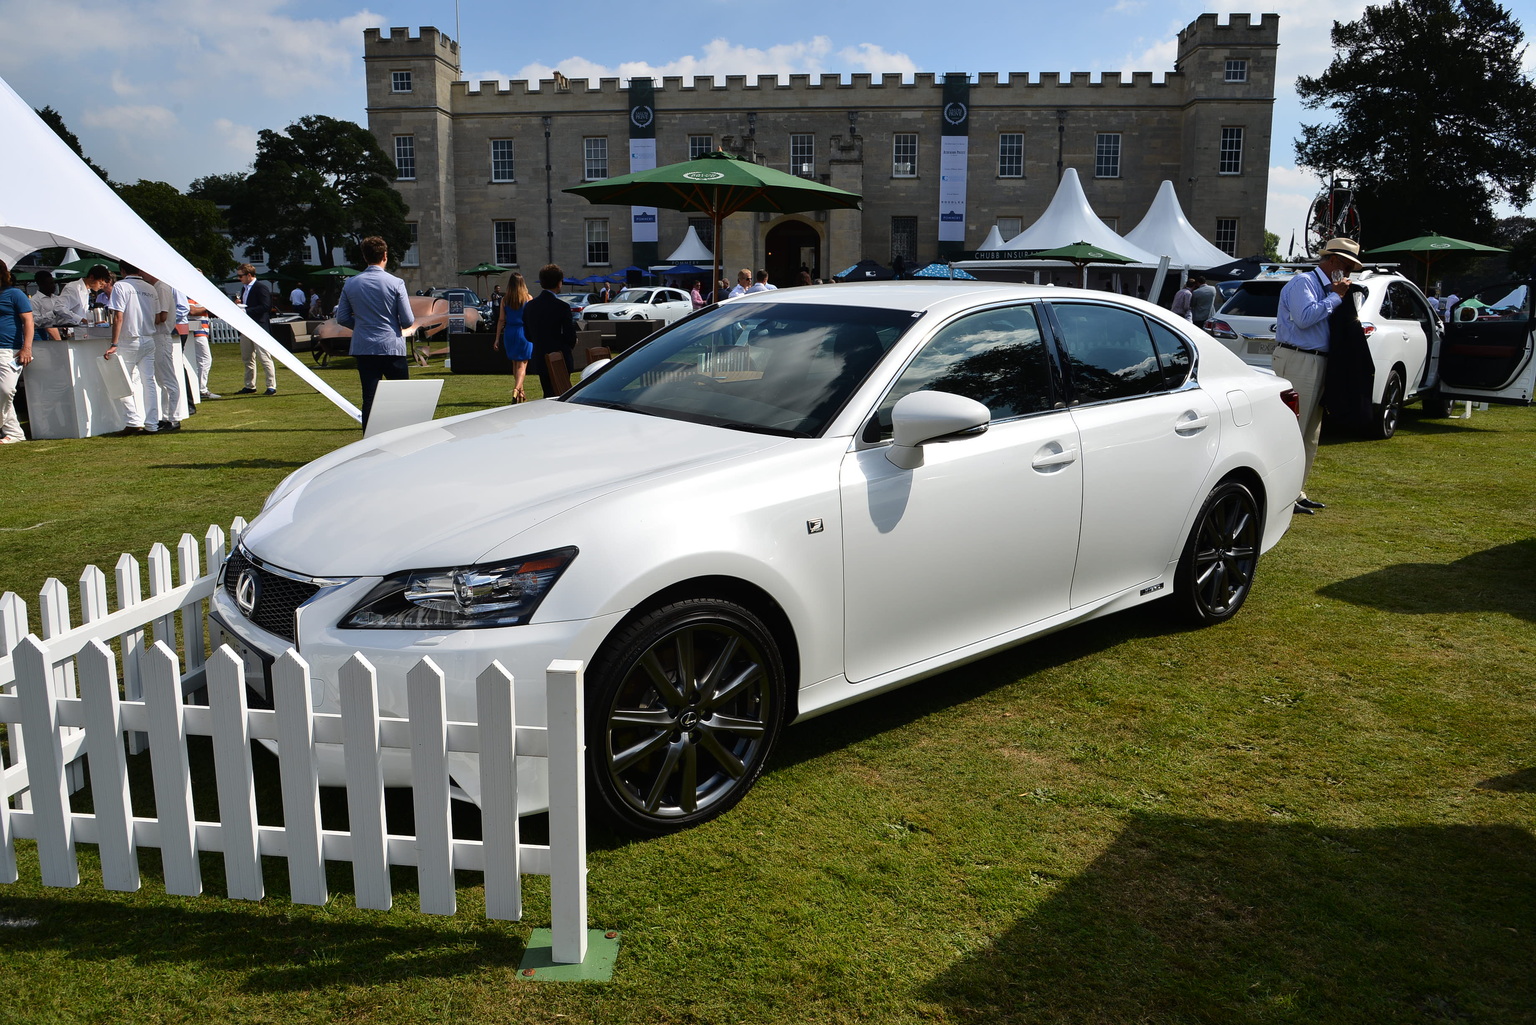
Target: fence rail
{"x":68,"y":694}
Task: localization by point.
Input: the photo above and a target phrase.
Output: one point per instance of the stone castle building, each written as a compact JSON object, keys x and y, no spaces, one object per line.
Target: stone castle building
{"x":482,"y":166}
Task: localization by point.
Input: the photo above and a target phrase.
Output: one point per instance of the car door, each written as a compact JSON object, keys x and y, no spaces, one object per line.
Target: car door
{"x":980,"y":539}
{"x":1489,"y":352}
{"x":670,"y":304}
{"x":1403,"y":332}
{"x":1149,"y":438}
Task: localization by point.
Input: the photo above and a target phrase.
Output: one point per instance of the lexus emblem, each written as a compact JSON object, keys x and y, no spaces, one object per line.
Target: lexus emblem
{"x":247,"y":591}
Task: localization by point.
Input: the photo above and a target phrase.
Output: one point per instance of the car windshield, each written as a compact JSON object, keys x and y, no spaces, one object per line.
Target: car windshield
{"x":1254,"y":299}
{"x":633,"y":295}
{"x":775,"y":368}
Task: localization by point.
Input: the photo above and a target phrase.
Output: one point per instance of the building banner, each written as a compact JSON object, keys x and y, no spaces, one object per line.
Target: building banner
{"x":954,"y":151}
{"x":642,"y":154}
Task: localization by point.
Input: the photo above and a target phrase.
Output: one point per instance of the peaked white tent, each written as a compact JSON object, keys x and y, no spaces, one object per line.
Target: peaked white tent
{"x":693,"y":250}
{"x":993,"y":241}
{"x":1071,"y":219}
{"x":50,"y":198}
{"x":1166,"y":232}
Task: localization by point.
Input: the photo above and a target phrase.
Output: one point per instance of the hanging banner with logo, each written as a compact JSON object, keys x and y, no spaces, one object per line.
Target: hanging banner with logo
{"x":954,"y":151}
{"x":642,"y":157}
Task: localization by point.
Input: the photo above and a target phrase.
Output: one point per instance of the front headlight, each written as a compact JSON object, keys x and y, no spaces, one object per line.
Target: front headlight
{"x":465,"y":597}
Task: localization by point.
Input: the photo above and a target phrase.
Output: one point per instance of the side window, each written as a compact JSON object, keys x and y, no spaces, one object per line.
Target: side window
{"x":996,"y":357}
{"x":1109,"y":352}
{"x":1173,"y":354}
{"x":1391,"y":305}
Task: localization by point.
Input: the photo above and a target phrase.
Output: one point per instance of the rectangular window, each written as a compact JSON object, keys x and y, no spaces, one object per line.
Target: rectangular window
{"x":597,"y":242}
{"x":1237,"y":71}
{"x":904,"y":239}
{"x":1112,"y":223}
{"x":1231,"y":151}
{"x":1008,"y":227}
{"x":504,"y":235}
{"x":412,"y":257}
{"x":502,"y":169}
{"x":706,"y":229}
{"x":400,"y":81}
{"x":405,"y":157}
{"x":802,"y":155}
{"x":1106,"y":155}
{"x":1010,"y":155}
{"x":698,"y":145}
{"x":1226,"y":235}
{"x":596,"y":149}
{"x":904,"y":155}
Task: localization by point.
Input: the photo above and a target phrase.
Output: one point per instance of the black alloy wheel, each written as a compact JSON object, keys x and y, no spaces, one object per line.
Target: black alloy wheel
{"x":1390,"y":411}
{"x":1217,"y":568}
{"x":684,"y":707}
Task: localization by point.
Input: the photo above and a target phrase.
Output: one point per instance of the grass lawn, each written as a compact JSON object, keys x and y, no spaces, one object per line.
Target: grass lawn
{"x":1319,"y":812}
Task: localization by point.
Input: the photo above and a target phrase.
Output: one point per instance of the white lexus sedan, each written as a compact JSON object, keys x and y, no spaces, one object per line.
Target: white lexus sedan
{"x":668,"y":304}
{"x":779,"y":506}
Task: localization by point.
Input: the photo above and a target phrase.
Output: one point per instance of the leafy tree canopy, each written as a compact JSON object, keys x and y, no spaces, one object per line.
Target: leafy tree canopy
{"x":53,"y":119}
{"x":193,"y":227}
{"x":1433,"y":118}
{"x":324,"y":178}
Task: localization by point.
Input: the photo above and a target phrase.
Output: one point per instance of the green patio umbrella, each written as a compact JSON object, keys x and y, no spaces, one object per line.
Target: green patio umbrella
{"x":483,"y":270}
{"x":1080,"y":255}
{"x":82,"y":265}
{"x":1429,"y":248}
{"x":719,"y":185}
{"x":333,"y":272}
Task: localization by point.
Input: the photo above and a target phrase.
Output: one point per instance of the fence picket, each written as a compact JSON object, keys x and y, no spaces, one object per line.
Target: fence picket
{"x":567,"y":812}
{"x":53,"y":826}
{"x":93,"y":595}
{"x":53,"y":610}
{"x":159,"y":582}
{"x":130,"y":592}
{"x":109,"y":768}
{"x":13,"y":627}
{"x":365,"y":783}
{"x":300,"y":777}
{"x":172,"y":770}
{"x":497,"y":713}
{"x":232,"y":770}
{"x":213,"y":548}
{"x":425,"y":702}
{"x":187,"y":570}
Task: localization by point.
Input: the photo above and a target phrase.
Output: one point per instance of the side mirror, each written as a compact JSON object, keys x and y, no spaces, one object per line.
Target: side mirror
{"x":1466,"y":314}
{"x":927,"y":416}
{"x":594,"y":367}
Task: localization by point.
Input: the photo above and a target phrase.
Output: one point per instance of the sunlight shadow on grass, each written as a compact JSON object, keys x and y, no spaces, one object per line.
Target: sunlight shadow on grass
{"x":1494,"y":580}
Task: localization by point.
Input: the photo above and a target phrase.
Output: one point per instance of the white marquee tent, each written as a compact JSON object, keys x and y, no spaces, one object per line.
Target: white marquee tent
{"x":49,"y":197}
{"x":1166,"y":232}
{"x":693,"y":250}
{"x":1071,"y":219}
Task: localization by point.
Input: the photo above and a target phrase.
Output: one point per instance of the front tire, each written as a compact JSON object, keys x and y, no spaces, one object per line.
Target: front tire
{"x":685,"y":705}
{"x":1221,"y":556}
{"x":1390,"y":410}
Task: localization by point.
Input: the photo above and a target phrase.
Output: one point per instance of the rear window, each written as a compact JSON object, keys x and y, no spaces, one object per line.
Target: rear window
{"x":1254,"y":299}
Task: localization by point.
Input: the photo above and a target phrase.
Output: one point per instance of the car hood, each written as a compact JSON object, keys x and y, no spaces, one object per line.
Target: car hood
{"x":616,"y":309}
{"x":447,"y":492}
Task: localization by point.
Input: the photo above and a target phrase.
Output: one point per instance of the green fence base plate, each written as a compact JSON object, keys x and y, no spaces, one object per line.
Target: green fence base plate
{"x":538,"y":966}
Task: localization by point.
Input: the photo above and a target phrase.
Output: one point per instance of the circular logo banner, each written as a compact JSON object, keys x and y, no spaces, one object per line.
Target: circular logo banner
{"x":703,"y":176}
{"x":955,"y":113}
{"x":641,"y":115}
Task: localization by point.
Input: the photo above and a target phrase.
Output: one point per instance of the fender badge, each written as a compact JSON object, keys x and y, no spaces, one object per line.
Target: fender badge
{"x":813,"y":527}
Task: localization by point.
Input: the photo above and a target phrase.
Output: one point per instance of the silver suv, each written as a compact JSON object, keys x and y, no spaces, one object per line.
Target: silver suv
{"x":1403,"y":332}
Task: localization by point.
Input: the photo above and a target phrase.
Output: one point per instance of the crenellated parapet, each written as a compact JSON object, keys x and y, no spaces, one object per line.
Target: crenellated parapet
{"x":398,"y":43}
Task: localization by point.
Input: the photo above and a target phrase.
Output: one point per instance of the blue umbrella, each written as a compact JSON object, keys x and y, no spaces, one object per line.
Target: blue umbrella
{"x":943,"y":270}
{"x":684,"y":270}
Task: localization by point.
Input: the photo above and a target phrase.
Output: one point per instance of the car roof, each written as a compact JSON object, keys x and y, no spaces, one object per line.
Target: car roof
{"x":941,"y":297}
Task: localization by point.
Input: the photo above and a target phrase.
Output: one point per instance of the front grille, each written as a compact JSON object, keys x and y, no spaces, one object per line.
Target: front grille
{"x":599,"y":315}
{"x":277,"y":595}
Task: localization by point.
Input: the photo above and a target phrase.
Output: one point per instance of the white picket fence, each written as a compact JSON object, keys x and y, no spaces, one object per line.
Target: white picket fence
{"x":66,"y":694}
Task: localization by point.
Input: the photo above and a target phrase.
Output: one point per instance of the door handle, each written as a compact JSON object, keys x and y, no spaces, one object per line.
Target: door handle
{"x":1191,"y":423}
{"x":1053,"y":456}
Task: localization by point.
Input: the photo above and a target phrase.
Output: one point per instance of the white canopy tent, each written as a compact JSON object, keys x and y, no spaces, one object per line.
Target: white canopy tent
{"x":993,"y":241}
{"x":693,"y":250}
{"x":1069,"y":219}
{"x":1166,"y":232}
{"x":51,"y":198}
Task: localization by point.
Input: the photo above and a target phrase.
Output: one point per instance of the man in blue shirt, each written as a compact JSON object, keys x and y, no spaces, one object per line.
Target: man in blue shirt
{"x":1301,"y":340}
{"x":374,"y":304}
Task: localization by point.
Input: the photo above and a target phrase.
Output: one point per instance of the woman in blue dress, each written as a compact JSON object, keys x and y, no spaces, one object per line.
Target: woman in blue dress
{"x":509,"y":332}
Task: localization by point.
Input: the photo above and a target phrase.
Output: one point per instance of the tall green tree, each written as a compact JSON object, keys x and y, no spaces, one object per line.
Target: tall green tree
{"x":193,"y":227}
{"x":322,"y":178}
{"x":1432,"y":117}
{"x":53,"y":119}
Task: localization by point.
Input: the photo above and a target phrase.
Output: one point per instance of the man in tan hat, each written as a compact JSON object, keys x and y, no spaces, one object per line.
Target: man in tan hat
{"x":1301,"y":340}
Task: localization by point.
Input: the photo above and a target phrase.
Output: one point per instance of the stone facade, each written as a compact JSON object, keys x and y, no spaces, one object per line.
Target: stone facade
{"x":1180,"y":129}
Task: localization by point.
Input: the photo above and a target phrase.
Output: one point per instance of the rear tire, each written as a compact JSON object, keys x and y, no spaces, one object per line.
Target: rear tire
{"x":1390,"y":410}
{"x":1221,"y":556}
{"x":684,"y":706}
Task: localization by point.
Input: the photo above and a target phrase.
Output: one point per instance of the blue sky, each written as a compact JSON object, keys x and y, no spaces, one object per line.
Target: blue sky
{"x":174,"y":89}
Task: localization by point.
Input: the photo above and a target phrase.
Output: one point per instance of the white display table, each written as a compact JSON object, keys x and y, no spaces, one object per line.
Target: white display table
{"x":72,"y":392}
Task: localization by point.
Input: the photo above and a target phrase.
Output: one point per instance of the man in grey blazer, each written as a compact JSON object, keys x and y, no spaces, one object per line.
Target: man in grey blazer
{"x":374,"y":304}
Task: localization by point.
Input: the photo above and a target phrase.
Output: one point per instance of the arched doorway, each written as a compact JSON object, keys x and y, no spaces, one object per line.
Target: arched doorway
{"x":791,"y":245}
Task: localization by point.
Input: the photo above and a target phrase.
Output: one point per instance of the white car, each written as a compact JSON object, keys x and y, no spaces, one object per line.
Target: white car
{"x":1490,"y":346}
{"x":786,"y":504}
{"x":667,"y":304}
{"x":1402,"y":331}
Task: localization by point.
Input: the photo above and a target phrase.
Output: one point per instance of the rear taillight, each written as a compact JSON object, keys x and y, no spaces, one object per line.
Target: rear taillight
{"x":1292,"y":398}
{"x":1220,"y":329}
